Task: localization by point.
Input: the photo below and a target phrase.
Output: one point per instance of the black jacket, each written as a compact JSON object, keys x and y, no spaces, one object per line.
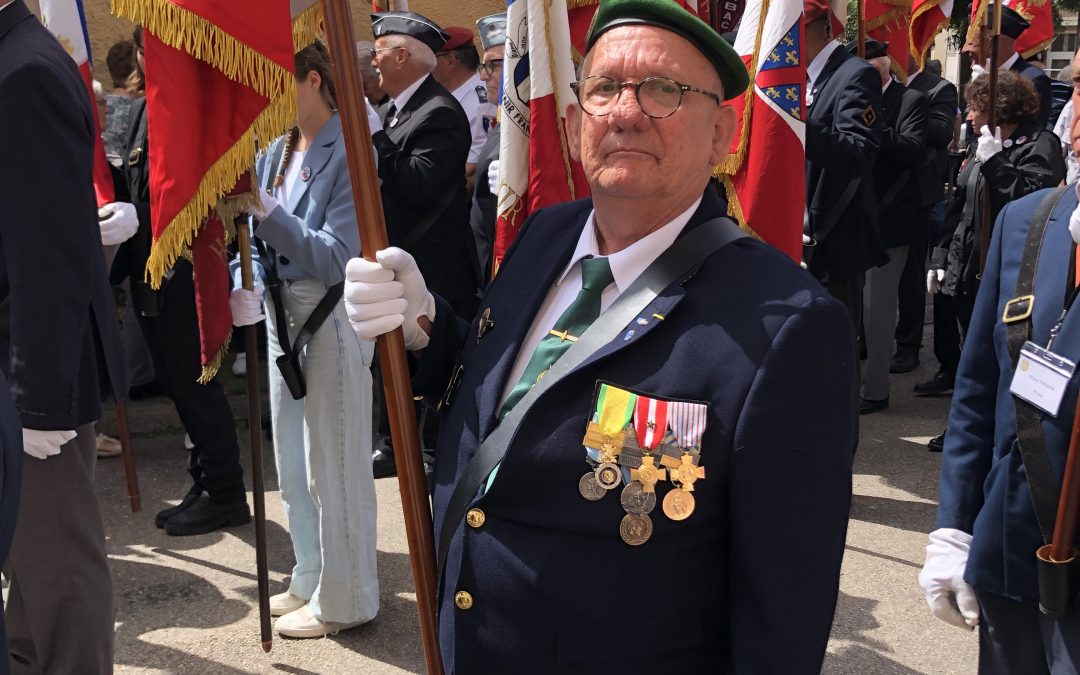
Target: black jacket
{"x":421,"y":158}
{"x":1041,"y":81}
{"x":903,"y":151}
{"x":940,"y":126}
{"x":483,"y":214}
{"x":843,"y":133}
{"x":1032,"y":161}
{"x":58,"y":314}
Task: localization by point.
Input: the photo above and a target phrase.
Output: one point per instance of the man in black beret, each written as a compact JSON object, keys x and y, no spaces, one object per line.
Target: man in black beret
{"x":1012,"y":26}
{"x":647,"y":402}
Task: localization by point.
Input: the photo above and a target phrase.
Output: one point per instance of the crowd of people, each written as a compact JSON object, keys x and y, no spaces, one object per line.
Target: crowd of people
{"x":609,"y":302}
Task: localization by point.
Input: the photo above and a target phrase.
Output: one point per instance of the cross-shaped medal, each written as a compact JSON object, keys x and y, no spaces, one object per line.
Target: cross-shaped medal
{"x":649,"y":474}
{"x":687,"y":473}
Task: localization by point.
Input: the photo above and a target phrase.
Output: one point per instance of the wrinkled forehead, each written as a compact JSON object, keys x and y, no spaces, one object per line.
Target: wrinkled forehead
{"x":639,"y":51}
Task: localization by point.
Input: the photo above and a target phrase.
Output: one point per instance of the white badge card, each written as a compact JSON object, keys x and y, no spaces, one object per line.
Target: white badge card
{"x":1041,"y":378}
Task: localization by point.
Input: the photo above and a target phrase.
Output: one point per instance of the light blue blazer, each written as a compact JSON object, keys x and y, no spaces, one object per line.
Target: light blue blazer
{"x":315,"y":234}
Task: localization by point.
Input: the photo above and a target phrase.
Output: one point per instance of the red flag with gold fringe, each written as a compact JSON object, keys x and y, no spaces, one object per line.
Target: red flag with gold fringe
{"x":890,"y":21}
{"x":219,"y":79}
{"x":1041,"y":33}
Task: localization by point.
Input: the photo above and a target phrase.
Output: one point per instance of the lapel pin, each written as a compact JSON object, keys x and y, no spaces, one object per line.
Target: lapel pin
{"x":629,"y":334}
{"x":305,"y":174}
{"x":642,"y":321}
{"x":485,"y":324}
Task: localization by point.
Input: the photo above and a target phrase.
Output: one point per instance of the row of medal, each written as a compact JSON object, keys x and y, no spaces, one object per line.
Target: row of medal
{"x":637,"y":442}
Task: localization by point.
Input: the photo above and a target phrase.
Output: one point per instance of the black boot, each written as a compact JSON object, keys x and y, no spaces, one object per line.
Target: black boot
{"x":185,"y":504}
{"x":206,"y":516}
{"x":939,"y":385}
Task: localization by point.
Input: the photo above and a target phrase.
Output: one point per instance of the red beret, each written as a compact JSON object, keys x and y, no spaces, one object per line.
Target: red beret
{"x":815,"y":9}
{"x":459,"y":37}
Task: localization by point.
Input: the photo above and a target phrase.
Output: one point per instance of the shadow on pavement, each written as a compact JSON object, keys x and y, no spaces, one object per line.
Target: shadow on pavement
{"x":899,"y":513}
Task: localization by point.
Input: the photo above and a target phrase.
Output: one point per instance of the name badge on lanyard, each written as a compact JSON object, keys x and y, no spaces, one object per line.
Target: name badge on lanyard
{"x":1041,"y":378}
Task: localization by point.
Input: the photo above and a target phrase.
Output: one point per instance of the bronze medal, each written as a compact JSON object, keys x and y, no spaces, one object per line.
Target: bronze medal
{"x":589,"y":488}
{"x":636,"y":501}
{"x":635,"y":530}
{"x":608,"y":475}
{"x":678,"y":505}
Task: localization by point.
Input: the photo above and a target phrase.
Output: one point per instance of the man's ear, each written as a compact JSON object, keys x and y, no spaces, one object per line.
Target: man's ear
{"x":573,"y":130}
{"x":724,"y":128}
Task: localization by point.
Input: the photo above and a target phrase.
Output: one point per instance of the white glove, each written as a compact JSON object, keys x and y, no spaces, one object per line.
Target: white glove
{"x":950,"y":598}
{"x":373,"y":119}
{"x":1074,"y":224}
{"x":44,"y":444}
{"x":380,"y":296}
{"x":118,"y":222}
{"x":246,"y":306}
{"x":977,"y":70}
{"x":933,"y":280}
{"x":493,"y":177}
{"x":267,"y":204}
{"x":988,"y":145}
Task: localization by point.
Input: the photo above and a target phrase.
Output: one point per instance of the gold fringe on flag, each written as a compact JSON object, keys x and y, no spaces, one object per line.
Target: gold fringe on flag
{"x":580,"y":4}
{"x":194,"y":35}
{"x":219,"y":180}
{"x":918,"y":52}
{"x":734,"y":207}
{"x":210,"y":370}
{"x":733,"y":162}
{"x":307,"y":26}
{"x":977,"y":23}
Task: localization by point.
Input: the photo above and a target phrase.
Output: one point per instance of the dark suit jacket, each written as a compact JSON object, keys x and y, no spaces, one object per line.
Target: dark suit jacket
{"x":940,"y":125}
{"x":984,"y":489}
{"x":11,"y":458}
{"x":548,"y":571}
{"x":421,"y":158}
{"x":902,"y":154}
{"x":52,"y":266}
{"x":1041,"y":81}
{"x":483,"y":214}
{"x":843,"y":131}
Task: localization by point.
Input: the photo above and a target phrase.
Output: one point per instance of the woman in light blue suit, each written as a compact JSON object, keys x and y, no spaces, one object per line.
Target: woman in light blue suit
{"x":322,"y":441}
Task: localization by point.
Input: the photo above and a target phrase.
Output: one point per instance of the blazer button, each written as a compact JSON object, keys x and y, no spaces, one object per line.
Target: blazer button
{"x":283,"y":260}
{"x":463,"y":600}
{"x":475,"y":518}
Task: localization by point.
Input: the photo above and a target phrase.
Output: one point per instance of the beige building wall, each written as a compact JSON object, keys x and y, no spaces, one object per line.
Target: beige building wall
{"x":105,"y":29}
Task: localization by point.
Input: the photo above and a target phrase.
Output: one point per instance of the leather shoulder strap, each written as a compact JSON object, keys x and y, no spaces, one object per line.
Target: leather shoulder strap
{"x":1042,"y":482}
{"x":685,"y":255}
{"x":318,"y":316}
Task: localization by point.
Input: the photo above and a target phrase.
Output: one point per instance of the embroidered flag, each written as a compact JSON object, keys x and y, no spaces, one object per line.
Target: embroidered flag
{"x":1041,"y":33}
{"x":928,"y":17}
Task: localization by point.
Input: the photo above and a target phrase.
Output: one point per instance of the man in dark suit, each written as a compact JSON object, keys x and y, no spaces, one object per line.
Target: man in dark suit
{"x":484,"y":212}
{"x":940,"y":122}
{"x":901,"y":155}
{"x":59,"y":318}
{"x":757,"y":390}
{"x":981,"y":568}
{"x":1012,"y":26}
{"x":422,"y":150}
{"x":843,"y":134}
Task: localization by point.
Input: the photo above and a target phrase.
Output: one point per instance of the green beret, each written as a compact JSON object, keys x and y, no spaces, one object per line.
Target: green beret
{"x":673,"y":17}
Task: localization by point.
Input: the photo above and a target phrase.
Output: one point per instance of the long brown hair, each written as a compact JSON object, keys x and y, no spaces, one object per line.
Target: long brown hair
{"x":136,"y":82}
{"x":314,"y":57}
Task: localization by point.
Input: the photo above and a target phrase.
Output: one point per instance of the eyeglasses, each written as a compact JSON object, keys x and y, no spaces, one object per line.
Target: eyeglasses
{"x":370,"y":52}
{"x":658,"y":97}
{"x":490,"y":67}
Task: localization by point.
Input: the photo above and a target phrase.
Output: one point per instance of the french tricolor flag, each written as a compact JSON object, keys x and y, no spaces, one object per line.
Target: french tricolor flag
{"x":65,"y":20}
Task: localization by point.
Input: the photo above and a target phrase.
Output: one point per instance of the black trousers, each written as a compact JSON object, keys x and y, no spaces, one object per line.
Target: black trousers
{"x":952,"y":316}
{"x":912,"y":292}
{"x":1015,"y":637}
{"x":173,"y":340}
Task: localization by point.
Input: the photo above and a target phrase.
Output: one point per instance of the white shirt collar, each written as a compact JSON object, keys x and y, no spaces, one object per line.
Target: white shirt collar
{"x":468,"y":87}
{"x":628,"y":264}
{"x":402,"y":99}
{"x":1011,"y":60}
{"x":6,"y":5}
{"x":813,"y":71}
{"x":912,"y":77}
{"x":885,"y":86}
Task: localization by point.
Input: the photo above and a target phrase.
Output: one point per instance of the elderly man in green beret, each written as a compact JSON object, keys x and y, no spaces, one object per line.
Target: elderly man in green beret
{"x":645,"y":458}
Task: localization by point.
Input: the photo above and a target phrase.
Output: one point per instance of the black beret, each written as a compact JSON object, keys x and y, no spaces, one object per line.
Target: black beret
{"x":875,"y":49}
{"x":409,"y":23}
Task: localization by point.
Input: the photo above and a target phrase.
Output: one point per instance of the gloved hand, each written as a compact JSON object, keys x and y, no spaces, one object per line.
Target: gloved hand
{"x":933,"y":280}
{"x":267,"y":204}
{"x":493,"y":177}
{"x":373,"y":119}
{"x":977,"y":70}
{"x":1074,"y":223}
{"x":380,"y":296}
{"x":950,"y":598}
{"x":247,"y":306}
{"x":988,"y":145}
{"x":44,"y":444}
{"x":118,"y":222}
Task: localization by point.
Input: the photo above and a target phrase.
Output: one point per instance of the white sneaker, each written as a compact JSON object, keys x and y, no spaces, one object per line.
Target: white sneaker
{"x":303,"y":624}
{"x":239,"y":365}
{"x":286,"y":602}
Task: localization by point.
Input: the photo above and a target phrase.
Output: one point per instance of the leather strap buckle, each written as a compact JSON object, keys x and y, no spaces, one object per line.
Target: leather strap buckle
{"x":1018,"y":309}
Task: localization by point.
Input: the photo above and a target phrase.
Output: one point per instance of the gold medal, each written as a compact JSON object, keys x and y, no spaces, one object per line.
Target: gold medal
{"x":687,"y":472}
{"x":608,"y":476}
{"x":678,"y":504}
{"x":589,"y":488}
{"x":648,"y":474}
{"x":635,"y":530}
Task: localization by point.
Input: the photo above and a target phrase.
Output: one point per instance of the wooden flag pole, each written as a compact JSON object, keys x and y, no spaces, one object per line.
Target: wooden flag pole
{"x":861,"y":31}
{"x":993,"y":24}
{"x":393,"y":360}
{"x":127,"y":453}
{"x":251,"y":346}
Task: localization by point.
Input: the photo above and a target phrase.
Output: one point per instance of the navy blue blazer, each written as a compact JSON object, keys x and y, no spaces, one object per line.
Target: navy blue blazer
{"x":11,"y":458}
{"x":748,"y":583}
{"x":984,"y":489}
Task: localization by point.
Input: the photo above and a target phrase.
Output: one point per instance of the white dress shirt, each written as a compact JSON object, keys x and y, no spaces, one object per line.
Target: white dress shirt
{"x":469,"y":96}
{"x":402,"y":99}
{"x":813,"y":71}
{"x":5,"y":5}
{"x":626,"y":266}
{"x":1009,"y":62}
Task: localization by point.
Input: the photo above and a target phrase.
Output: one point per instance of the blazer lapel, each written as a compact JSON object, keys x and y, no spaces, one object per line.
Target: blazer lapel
{"x":517,"y":304}
{"x":322,"y":147}
{"x":12,"y":15}
{"x":831,"y":64}
{"x":1050,"y":284}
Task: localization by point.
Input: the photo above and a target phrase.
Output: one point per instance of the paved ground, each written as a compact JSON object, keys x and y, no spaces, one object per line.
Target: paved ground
{"x":187,"y":605}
